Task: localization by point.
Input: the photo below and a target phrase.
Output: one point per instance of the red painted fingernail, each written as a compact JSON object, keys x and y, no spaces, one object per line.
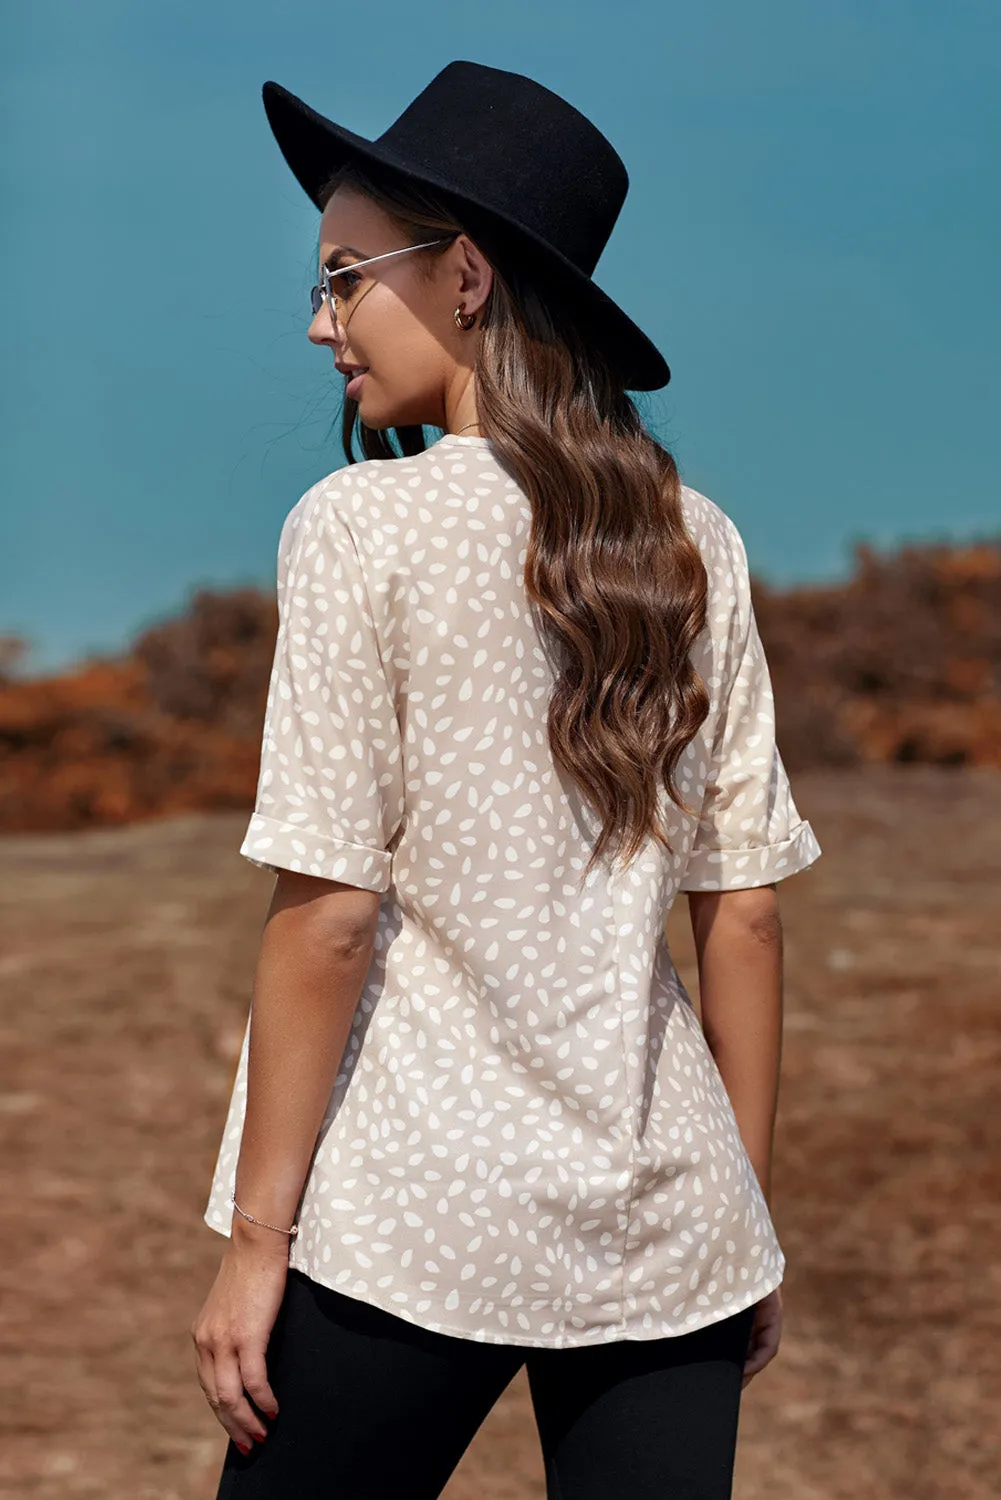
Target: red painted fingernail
{"x":244,"y":1448}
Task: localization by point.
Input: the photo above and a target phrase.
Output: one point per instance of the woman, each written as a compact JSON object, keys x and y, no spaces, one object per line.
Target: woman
{"x":518,"y":701}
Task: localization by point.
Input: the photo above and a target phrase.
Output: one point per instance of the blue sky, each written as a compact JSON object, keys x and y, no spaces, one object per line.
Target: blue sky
{"x":811,"y":237}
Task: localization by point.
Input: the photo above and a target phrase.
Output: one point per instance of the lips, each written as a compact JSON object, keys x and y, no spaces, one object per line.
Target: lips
{"x":353,"y":385}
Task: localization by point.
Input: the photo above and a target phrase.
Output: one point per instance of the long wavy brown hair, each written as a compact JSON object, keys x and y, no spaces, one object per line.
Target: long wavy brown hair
{"x":614,"y":579}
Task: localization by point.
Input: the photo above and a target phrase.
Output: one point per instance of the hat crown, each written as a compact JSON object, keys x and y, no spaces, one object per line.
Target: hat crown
{"x":538,"y":159}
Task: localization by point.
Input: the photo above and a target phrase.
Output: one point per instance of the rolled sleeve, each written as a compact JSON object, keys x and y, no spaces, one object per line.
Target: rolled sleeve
{"x":749,"y":831}
{"x":330,"y":793}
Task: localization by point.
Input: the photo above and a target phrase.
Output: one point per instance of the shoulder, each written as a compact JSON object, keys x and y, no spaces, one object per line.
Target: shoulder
{"x":715,"y":533}
{"x":344,"y":503}
{"x":724,"y":556}
{"x":729,"y":606}
{"x":344,"y":493}
{"x":366,"y":499}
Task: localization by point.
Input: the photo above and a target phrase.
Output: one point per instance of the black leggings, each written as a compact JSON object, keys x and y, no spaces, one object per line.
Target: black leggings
{"x":372,"y":1407}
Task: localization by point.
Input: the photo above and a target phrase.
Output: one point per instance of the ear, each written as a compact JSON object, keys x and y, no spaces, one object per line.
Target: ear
{"x":476,"y":275}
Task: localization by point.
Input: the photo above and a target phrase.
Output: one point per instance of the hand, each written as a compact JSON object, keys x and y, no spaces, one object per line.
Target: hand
{"x":232,"y":1330}
{"x":765,"y":1334}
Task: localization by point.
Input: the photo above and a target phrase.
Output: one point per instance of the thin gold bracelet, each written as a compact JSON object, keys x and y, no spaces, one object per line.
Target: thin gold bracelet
{"x":293,"y":1231}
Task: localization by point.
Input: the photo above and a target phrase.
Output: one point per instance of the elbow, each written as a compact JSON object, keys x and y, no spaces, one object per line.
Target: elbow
{"x":752,"y":913}
{"x":339,"y":917}
{"x":763,"y":920}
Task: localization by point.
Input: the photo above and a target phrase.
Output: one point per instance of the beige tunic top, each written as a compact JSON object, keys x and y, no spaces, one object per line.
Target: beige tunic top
{"x":528,"y":1141}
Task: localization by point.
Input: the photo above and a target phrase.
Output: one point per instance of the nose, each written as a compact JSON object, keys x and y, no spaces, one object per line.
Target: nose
{"x":321,"y":329}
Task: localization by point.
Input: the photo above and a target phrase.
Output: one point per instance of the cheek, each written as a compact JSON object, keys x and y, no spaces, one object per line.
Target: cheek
{"x":403,"y":349}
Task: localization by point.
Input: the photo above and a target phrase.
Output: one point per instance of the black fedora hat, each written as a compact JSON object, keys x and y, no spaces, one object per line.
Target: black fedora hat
{"x":531,"y":176}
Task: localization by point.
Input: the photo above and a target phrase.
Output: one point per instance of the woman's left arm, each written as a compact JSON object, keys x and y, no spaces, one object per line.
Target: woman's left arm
{"x":315,"y":955}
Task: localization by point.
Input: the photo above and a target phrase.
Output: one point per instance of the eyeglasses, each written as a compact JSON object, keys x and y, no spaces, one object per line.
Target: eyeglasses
{"x":325,"y":292}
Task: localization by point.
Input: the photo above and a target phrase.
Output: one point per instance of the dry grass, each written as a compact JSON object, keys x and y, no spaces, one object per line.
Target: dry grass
{"x":127,"y":957}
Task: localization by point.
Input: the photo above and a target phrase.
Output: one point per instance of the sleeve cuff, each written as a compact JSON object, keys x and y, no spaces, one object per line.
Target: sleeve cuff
{"x":275,"y":846}
{"x":737,"y":869}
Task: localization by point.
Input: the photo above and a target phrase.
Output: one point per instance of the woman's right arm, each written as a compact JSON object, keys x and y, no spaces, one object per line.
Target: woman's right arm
{"x":738,"y":941}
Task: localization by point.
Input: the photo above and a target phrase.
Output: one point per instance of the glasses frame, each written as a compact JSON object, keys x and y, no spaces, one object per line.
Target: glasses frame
{"x":324,"y":292}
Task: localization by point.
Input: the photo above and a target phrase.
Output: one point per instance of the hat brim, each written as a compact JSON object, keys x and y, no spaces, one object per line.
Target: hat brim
{"x":315,"y":147}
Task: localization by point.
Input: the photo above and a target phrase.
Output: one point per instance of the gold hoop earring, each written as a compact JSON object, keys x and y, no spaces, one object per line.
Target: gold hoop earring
{"x":464,"y":320}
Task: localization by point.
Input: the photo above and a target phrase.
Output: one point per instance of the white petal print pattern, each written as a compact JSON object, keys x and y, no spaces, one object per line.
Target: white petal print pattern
{"x":528,"y":1141}
{"x":749,"y":832}
{"x":330,"y":791}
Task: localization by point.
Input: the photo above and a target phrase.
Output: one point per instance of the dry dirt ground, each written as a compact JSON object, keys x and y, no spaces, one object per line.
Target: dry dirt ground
{"x":127,"y":959}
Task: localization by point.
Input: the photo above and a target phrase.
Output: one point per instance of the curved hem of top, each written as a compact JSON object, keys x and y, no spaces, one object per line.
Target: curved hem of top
{"x":561,"y":1342}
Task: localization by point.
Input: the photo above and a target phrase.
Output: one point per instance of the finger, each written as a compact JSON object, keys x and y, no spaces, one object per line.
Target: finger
{"x":255,"y":1380}
{"x":756,"y":1362}
{"x":232,"y":1407}
{"x":205,"y":1369}
{"x":764,"y":1350}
